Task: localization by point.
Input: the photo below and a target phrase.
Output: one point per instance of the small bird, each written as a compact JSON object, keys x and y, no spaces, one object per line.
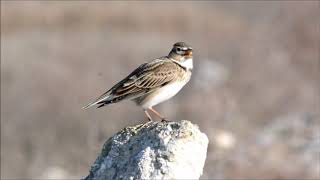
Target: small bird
{"x":152,"y":82}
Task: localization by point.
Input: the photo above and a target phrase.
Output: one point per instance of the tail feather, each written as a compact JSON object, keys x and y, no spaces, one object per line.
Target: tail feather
{"x":107,"y":98}
{"x":98,"y":101}
{"x":89,"y":105}
{"x":102,"y":104}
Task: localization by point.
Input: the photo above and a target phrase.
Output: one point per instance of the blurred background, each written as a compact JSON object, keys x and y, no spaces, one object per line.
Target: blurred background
{"x":254,"y":89}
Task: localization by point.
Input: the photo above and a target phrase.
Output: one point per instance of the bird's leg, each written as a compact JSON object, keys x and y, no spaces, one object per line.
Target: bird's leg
{"x":158,"y":114}
{"x":148,"y":115}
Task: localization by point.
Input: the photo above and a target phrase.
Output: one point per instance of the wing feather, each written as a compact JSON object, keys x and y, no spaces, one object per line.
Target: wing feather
{"x":146,"y":78}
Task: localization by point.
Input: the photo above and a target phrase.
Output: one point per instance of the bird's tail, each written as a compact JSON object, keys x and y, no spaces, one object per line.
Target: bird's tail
{"x":90,"y":105}
{"x":100,"y":100}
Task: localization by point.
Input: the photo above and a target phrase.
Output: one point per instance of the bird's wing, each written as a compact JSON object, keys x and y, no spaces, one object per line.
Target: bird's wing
{"x":145,"y":79}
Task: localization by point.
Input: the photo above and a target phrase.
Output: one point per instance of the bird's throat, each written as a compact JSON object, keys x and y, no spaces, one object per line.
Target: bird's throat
{"x":187,"y":63}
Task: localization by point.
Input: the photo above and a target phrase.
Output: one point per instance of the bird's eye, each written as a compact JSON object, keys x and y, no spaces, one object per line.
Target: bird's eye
{"x":178,"y":49}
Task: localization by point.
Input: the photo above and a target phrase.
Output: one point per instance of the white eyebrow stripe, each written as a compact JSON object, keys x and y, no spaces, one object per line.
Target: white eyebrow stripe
{"x":184,"y":48}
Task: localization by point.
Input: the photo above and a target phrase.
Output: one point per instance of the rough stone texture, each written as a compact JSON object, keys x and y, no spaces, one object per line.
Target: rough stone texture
{"x":155,"y":150}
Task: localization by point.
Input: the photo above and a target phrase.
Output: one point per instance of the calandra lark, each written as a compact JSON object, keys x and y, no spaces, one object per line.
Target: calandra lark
{"x":152,"y":82}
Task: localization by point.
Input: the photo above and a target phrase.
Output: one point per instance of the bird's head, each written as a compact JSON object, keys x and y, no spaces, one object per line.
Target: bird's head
{"x":181,"y":51}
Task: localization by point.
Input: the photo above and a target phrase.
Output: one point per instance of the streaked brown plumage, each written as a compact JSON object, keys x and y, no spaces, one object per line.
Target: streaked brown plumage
{"x":150,"y":80}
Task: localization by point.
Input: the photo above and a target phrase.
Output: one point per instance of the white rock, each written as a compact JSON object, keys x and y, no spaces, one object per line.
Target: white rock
{"x":156,"y":150}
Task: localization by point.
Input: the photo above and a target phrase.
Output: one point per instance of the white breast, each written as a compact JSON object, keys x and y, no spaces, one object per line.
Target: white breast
{"x":162,"y":94}
{"x":169,"y":90}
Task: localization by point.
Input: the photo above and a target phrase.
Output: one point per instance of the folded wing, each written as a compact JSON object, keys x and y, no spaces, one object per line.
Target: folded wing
{"x":146,"y":78}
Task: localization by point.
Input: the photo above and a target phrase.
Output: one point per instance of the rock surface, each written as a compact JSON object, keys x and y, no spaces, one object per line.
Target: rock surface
{"x":155,"y":150}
